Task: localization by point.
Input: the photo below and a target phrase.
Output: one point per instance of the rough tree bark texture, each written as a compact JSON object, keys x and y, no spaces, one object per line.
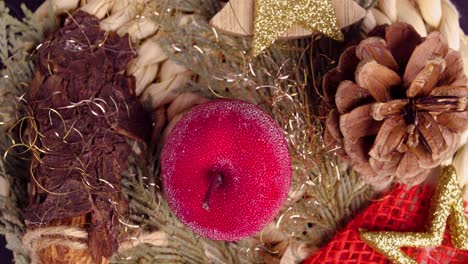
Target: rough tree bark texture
{"x":84,"y":113}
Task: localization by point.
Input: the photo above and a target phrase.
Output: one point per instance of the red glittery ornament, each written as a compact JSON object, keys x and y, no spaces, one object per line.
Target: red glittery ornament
{"x":226,"y":169}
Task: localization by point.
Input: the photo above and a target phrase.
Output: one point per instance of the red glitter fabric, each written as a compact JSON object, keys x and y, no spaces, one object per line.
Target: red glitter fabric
{"x":402,"y":210}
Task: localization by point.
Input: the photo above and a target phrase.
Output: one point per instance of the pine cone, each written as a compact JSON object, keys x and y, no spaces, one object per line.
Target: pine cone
{"x":399,"y":104}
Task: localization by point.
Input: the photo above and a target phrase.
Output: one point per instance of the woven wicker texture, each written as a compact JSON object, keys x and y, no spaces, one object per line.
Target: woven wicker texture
{"x":402,"y":210}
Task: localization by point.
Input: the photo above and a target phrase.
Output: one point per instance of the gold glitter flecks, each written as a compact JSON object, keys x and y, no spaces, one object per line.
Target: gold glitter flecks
{"x":274,"y":17}
{"x":446,"y":205}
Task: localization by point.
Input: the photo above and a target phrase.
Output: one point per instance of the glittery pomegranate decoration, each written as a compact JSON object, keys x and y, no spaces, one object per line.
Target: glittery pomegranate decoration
{"x":226,"y":169}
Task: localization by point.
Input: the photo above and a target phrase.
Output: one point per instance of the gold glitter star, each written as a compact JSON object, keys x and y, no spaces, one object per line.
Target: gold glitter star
{"x":237,"y":17}
{"x":447,"y":205}
{"x":274,"y":17}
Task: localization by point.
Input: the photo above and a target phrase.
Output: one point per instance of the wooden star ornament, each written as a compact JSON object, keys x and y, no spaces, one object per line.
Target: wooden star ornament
{"x":268,"y":20}
{"x":447,"y":205}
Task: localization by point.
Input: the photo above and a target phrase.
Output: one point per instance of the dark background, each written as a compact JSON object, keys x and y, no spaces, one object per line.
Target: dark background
{"x":5,"y":255}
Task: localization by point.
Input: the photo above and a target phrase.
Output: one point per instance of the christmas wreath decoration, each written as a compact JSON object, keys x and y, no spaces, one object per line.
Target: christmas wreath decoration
{"x":196,"y":132}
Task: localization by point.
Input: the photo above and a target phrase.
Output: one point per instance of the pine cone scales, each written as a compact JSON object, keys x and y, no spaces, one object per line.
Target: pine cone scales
{"x":399,"y":104}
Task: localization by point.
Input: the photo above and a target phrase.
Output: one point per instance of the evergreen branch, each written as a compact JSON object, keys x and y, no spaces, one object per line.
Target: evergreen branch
{"x":16,"y":39}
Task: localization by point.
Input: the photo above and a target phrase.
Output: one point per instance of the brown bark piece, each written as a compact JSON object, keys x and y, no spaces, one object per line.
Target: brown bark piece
{"x":85,"y":110}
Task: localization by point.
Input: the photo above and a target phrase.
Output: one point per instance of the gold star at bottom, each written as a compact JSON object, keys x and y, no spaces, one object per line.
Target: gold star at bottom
{"x":447,"y":205}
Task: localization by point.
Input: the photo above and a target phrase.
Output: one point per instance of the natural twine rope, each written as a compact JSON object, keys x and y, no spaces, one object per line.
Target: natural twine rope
{"x":75,"y":238}
{"x":36,"y":239}
{"x":48,"y":236}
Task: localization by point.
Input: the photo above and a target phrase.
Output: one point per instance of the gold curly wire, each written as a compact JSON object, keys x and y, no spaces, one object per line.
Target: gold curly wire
{"x":31,"y":173}
{"x":84,"y":174}
{"x":298,"y":120}
{"x":295,"y":118}
{"x":30,"y":147}
{"x":70,"y":16}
